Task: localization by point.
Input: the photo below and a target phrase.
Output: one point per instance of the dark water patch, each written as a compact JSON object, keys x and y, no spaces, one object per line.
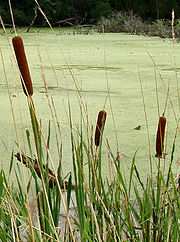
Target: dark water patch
{"x":163,"y":65}
{"x":81,"y":67}
{"x":3,"y":86}
{"x":171,"y":69}
{"x":56,"y":89}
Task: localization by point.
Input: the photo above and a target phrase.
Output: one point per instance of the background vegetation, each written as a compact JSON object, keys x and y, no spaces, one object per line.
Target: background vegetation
{"x":85,"y":11}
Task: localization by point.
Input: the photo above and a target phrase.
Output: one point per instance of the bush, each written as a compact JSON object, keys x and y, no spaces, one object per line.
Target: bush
{"x":129,"y":23}
{"x":160,"y":28}
{"x":177,"y":29}
{"x":121,"y":22}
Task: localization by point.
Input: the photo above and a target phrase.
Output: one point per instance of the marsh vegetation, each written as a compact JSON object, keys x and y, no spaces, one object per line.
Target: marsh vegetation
{"x":71,"y":175}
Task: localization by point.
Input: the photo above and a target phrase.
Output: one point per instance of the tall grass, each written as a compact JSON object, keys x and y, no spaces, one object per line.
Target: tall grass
{"x":123,"y":208}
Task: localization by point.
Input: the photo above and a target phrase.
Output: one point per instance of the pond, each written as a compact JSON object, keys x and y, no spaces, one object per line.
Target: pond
{"x":93,"y":71}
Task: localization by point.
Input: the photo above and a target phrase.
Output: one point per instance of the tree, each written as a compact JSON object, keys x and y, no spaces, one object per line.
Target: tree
{"x":88,"y":11}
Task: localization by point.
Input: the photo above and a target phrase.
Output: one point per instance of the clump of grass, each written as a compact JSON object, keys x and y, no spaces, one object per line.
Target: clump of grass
{"x":48,"y":192}
{"x":119,"y":210}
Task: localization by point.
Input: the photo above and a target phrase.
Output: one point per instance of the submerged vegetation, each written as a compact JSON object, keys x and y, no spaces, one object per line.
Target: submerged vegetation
{"x":85,"y":205}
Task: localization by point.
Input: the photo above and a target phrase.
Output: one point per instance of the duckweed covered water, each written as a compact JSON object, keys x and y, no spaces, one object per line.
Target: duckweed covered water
{"x":106,"y":69}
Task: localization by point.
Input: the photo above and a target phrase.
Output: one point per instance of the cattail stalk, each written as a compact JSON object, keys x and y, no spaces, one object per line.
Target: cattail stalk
{"x":100,"y":127}
{"x":160,"y":136}
{"x":23,"y":65}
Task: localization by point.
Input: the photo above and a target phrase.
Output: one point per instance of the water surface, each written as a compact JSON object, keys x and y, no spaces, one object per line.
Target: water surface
{"x":106,"y":69}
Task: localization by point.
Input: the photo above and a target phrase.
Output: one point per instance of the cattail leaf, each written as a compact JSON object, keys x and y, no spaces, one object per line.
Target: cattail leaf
{"x":160,"y":136}
{"x":69,"y":189}
{"x":11,"y":163}
{"x":23,"y":65}
{"x":100,"y":127}
{"x":59,"y":170}
{"x":48,"y":141}
{"x":29,"y":185}
{"x":2,"y":184}
{"x":132,"y":171}
{"x":29,"y":141}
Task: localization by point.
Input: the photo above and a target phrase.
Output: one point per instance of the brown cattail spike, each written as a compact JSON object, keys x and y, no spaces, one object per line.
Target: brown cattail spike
{"x":100,"y":126}
{"x":32,"y":163}
{"x":23,"y":65}
{"x":160,"y":136}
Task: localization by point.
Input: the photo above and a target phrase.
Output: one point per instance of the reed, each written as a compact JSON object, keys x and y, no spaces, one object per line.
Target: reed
{"x":49,"y":190}
{"x":160,"y":136}
{"x":19,"y":50}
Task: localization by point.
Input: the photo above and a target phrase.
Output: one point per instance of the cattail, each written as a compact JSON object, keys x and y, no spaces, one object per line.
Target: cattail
{"x":160,"y":136}
{"x":29,"y":163}
{"x":23,"y":65}
{"x":100,"y":126}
